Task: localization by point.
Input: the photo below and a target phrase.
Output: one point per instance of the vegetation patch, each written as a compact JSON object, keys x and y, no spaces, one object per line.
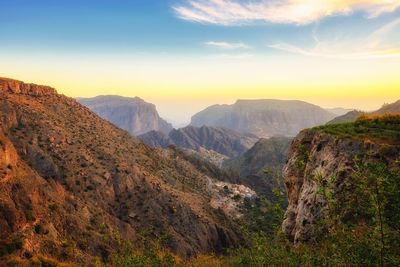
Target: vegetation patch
{"x":377,"y":127}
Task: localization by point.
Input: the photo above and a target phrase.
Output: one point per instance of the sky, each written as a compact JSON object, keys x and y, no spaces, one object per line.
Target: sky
{"x":184,"y":55}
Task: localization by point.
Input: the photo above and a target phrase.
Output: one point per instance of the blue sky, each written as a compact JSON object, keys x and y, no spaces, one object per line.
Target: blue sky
{"x":193,"y":53}
{"x":152,"y":26}
{"x":124,"y":25}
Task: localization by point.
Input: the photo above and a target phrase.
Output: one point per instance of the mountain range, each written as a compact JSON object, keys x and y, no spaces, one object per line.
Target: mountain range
{"x":223,"y":141}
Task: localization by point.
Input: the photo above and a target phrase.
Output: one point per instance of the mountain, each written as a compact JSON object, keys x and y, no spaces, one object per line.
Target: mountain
{"x":131,"y":114}
{"x":338,"y":111}
{"x":342,"y":179}
{"x":260,"y":168}
{"x":389,"y":108}
{"x":264,"y":118}
{"x":223,"y":141}
{"x":73,"y":186}
{"x":353,"y":115}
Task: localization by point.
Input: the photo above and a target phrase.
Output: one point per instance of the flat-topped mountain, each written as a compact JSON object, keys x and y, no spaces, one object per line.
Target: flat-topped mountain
{"x":223,"y":141}
{"x":72,"y":184}
{"x":264,"y":118}
{"x":131,"y":114}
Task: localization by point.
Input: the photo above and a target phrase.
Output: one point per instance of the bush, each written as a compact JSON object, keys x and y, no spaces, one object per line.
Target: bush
{"x":10,"y":246}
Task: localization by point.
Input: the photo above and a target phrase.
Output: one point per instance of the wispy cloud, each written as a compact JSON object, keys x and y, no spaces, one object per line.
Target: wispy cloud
{"x":378,"y":44}
{"x":227,"y":45}
{"x":234,"y":12}
{"x":238,"y":56}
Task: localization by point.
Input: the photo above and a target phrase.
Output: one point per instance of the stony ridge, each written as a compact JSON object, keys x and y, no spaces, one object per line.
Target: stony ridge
{"x":19,"y":87}
{"x":223,"y":141}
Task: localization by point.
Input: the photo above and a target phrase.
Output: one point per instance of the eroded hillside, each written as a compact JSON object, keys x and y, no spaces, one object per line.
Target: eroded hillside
{"x":71,"y":182}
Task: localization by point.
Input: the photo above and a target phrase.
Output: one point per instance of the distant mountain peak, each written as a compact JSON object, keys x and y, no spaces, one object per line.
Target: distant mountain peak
{"x":132,"y":114}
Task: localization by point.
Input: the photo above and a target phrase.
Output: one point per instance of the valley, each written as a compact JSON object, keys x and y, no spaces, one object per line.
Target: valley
{"x":77,"y":190}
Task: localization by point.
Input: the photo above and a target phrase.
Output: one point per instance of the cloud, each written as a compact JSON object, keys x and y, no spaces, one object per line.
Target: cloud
{"x":240,"y":56}
{"x":378,"y":44}
{"x":228,"y":46}
{"x":235,"y":12}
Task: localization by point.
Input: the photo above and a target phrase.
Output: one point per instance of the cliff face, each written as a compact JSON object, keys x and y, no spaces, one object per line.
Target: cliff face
{"x":69,"y":177}
{"x":317,"y":158}
{"x":264,"y":118}
{"x":131,"y":114}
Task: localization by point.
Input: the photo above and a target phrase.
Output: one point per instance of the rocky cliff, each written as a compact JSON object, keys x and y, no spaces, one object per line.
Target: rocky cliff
{"x":131,"y":114}
{"x":73,"y":184}
{"x":264,"y":118}
{"x":322,"y":166}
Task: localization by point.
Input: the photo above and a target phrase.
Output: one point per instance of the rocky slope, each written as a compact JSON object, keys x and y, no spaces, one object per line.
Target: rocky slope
{"x":131,"y":114}
{"x":223,"y":141}
{"x":73,"y":184}
{"x":264,"y":118}
{"x":260,"y":168}
{"x":322,"y":168}
{"x":389,"y":108}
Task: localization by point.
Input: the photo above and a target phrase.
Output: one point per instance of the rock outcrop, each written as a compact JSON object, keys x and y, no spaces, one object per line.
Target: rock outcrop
{"x":317,"y":158}
{"x":18,"y":87}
